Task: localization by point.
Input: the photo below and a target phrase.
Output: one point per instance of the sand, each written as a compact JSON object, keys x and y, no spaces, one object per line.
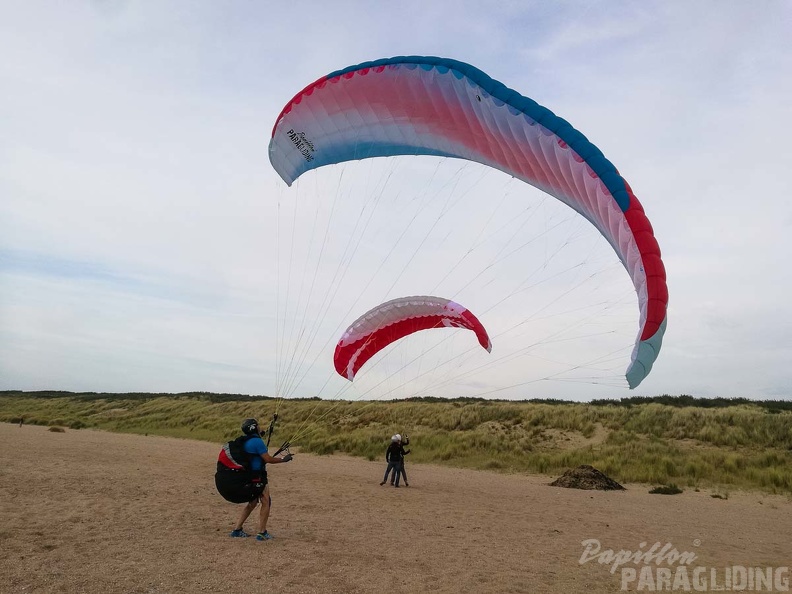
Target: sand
{"x":89,"y":511}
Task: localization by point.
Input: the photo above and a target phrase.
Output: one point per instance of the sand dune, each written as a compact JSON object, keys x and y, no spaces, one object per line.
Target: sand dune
{"x":87,"y":511}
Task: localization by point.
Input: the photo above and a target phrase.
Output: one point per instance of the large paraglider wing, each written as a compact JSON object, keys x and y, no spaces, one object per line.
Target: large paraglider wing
{"x":435,"y":106}
{"x":393,"y":320}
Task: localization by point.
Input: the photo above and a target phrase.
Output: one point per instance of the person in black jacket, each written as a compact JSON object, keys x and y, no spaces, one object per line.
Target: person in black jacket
{"x":393,"y":457}
{"x":404,"y":441}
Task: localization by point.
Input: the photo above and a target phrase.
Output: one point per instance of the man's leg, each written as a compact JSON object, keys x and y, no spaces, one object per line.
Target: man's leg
{"x":265,"y":510}
{"x":246,"y":511}
{"x":397,"y":472}
{"x":404,"y":475}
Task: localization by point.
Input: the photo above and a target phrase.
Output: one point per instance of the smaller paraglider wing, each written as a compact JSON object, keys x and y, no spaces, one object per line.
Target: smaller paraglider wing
{"x":395,"y":319}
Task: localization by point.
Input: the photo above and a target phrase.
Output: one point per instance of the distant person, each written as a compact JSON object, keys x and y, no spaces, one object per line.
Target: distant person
{"x":241,"y":476}
{"x":394,"y":456}
{"x":405,"y":441}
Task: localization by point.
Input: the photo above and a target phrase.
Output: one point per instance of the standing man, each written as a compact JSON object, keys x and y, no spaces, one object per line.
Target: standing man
{"x":242,"y":476}
{"x":404,"y":441}
{"x":393,"y":456}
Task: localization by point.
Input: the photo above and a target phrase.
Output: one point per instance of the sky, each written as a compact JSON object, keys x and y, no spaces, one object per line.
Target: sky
{"x":146,"y":244}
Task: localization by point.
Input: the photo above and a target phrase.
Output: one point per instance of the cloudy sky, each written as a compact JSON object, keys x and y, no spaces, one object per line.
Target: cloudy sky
{"x":146,"y":244}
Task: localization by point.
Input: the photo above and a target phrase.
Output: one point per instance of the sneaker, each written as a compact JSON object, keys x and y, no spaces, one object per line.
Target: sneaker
{"x":239,"y":534}
{"x":264,"y":536}
{"x":397,"y":486}
{"x":406,"y":484}
{"x":382,"y":483}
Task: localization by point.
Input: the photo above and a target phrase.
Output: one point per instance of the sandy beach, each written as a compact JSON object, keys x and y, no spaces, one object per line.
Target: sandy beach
{"x":89,"y":511}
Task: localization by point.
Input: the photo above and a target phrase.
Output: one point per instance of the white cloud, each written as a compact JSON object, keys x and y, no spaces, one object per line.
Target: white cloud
{"x":139,"y":208}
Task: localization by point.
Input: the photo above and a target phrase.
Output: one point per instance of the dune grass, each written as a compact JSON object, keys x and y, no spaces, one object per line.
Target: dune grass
{"x":693,"y":443}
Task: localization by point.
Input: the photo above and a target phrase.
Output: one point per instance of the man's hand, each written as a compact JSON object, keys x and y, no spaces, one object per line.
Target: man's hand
{"x":287,"y":458}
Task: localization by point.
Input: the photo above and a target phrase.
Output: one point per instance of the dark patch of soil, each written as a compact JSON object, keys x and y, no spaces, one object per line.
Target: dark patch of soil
{"x":586,"y":477}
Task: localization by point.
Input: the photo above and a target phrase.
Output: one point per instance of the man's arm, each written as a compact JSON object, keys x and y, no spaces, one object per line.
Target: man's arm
{"x":273,"y":460}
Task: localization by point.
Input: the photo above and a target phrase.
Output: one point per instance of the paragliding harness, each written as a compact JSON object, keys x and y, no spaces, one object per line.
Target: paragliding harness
{"x":235,"y":479}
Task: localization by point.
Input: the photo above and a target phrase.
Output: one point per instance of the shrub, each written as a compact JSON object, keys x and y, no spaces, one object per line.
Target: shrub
{"x":671,"y":489}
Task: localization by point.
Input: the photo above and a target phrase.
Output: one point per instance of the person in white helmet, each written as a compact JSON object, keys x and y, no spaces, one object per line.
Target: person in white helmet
{"x":394,"y":456}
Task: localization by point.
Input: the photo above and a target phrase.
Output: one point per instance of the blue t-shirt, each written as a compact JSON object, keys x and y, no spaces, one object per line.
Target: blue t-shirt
{"x":256,"y":446}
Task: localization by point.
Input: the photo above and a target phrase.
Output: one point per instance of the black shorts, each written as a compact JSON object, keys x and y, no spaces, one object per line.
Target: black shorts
{"x":239,"y":487}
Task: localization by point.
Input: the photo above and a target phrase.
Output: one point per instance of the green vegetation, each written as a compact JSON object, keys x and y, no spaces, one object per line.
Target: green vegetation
{"x":690,"y":442}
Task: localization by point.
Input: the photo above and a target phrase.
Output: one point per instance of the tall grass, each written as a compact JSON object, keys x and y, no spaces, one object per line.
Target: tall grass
{"x":741,"y":444}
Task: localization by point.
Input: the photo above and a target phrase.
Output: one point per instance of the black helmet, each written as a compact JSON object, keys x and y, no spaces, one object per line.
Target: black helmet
{"x":250,"y":427}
